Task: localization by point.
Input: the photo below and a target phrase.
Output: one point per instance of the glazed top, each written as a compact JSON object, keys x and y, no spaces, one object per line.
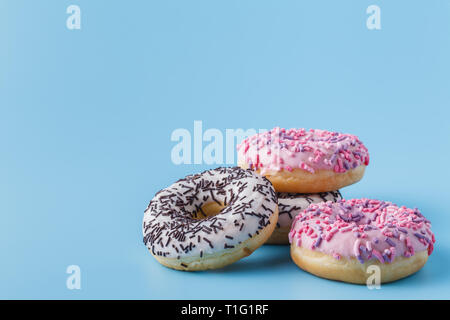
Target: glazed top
{"x":175,"y":226}
{"x":290,"y":204}
{"x":363,"y":229}
{"x":282,"y":149}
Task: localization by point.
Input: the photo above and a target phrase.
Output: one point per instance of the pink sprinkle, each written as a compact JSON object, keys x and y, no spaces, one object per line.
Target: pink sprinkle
{"x":393,"y":253}
{"x":410,"y":247}
{"x":291,"y":235}
{"x":377,"y":255}
{"x":356,"y":247}
{"x":430,"y":248}
{"x":341,"y":165}
{"x":331,"y":234}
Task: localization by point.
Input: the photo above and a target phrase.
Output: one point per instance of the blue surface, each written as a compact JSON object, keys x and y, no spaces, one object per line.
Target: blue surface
{"x":86,"y":117}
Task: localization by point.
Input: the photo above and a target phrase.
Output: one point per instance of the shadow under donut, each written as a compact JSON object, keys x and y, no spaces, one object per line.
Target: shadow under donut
{"x":264,"y":258}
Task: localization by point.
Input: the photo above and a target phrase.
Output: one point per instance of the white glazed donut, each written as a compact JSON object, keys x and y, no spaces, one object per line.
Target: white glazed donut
{"x":211,"y":219}
{"x":291,"y":204}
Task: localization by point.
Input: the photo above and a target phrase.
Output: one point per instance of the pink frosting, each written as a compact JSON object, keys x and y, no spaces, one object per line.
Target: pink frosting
{"x":281,"y":149}
{"x":363,"y":229}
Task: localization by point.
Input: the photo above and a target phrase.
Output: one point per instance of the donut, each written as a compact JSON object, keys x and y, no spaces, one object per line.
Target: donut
{"x":340,"y":240}
{"x":289,"y":205}
{"x":211,"y":219}
{"x":301,"y":161}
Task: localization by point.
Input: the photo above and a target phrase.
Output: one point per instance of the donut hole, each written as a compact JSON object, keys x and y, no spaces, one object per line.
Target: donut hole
{"x":209,"y":209}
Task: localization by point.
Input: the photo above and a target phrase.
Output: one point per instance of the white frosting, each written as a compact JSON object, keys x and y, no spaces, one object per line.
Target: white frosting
{"x":291,"y":204}
{"x":172,"y":227}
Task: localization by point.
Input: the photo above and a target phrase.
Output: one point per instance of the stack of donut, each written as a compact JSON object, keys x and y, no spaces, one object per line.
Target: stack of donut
{"x":304,"y":167}
{"x":286,"y":190}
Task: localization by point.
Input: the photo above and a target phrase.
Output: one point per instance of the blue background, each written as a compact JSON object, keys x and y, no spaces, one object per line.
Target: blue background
{"x":86,"y":117}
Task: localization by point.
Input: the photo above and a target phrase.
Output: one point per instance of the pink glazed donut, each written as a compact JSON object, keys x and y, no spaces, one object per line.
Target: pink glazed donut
{"x":340,"y":240}
{"x":301,"y":161}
